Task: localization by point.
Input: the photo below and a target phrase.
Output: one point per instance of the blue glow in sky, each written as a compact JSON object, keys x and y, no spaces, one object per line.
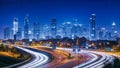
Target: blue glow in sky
{"x":42,"y":11}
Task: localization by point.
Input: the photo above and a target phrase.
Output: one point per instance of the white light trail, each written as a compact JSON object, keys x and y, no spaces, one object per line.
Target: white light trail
{"x":94,"y":63}
{"x":39,"y":60}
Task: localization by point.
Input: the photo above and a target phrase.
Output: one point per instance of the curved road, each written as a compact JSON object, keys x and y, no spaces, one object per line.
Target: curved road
{"x":40,"y":59}
{"x":96,"y":62}
{"x":61,"y":59}
{"x":99,"y":59}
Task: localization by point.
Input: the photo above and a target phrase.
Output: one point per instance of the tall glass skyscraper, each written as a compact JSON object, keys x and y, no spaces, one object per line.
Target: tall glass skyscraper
{"x":53,"y":27}
{"x":36,"y":30}
{"x":26,"y":27}
{"x":66,"y":29}
{"x":114,"y":31}
{"x":19,"y":34}
{"x":46,"y":32}
{"x":6,"y":33}
{"x":93,"y":27}
{"x":15,"y":26}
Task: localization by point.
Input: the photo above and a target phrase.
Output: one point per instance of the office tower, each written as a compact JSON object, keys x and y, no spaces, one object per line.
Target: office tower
{"x":6,"y":33}
{"x":93,"y":27}
{"x":108,"y":35}
{"x":75,"y":30}
{"x":114,"y":31}
{"x":67,"y":29}
{"x":63,"y":30}
{"x":36,"y":30}
{"x":26,"y":27}
{"x":80,"y":30}
{"x":22,"y":34}
{"x":60,"y":31}
{"x":19,"y":34}
{"x":53,"y":27}
{"x":31,"y":34}
{"x":102,"y":34}
{"x":84,"y":31}
{"x":15,"y":26}
{"x":46,"y":32}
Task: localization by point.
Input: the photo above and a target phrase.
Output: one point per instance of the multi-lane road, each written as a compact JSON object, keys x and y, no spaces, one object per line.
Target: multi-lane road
{"x":94,"y":59}
{"x":98,"y":59}
{"x":39,"y":59}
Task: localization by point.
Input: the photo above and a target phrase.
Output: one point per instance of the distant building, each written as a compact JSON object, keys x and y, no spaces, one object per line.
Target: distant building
{"x":15,"y":26}
{"x":108,"y":35}
{"x":19,"y":34}
{"x":93,"y":27}
{"x":46,"y":32}
{"x":36,"y":30}
{"x":22,"y":34}
{"x":60,"y":31}
{"x":114,"y":32}
{"x":31,"y":35}
{"x":84,"y":31}
{"x":6,"y":33}
{"x":102,"y":34}
{"x":76,"y":30}
{"x":53,"y":27}
{"x":67,"y":26}
{"x":26,"y":28}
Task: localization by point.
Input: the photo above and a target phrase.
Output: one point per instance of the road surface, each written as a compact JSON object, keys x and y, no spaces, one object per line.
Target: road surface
{"x":39,"y":59}
{"x":97,"y":59}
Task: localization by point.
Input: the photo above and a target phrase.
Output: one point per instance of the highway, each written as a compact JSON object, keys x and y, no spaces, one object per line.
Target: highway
{"x":97,"y":61}
{"x":61,"y":59}
{"x":39,"y":59}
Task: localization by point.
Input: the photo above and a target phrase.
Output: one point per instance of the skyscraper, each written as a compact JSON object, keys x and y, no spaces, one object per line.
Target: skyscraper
{"x":114,"y":31}
{"x":19,"y":34}
{"x":93,"y":27}
{"x":53,"y":27}
{"x":15,"y":26}
{"x":36,"y":30}
{"x":67,"y":26}
{"x":45,"y":32}
{"x":6,"y":33}
{"x":75,"y":30}
{"x":26,"y":27}
{"x":101,"y":34}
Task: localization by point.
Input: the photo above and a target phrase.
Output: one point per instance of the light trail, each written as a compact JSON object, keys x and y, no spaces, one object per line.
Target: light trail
{"x":94,"y":63}
{"x":40,"y":59}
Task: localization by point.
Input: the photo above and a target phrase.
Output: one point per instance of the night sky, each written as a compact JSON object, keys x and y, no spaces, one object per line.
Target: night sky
{"x":43,"y":11}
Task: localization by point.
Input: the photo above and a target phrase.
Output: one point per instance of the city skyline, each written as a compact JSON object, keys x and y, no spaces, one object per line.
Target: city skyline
{"x":43,"y":11}
{"x":67,"y":29}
